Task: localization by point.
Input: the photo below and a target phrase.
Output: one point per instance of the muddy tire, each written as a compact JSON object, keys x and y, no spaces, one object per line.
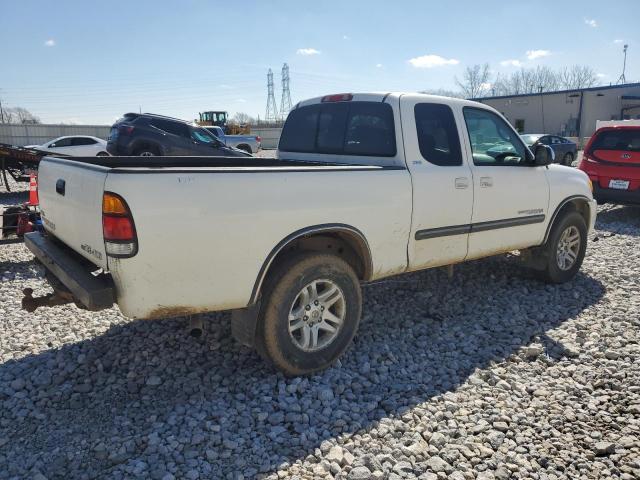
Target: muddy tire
{"x":564,"y":251}
{"x":310,"y":313}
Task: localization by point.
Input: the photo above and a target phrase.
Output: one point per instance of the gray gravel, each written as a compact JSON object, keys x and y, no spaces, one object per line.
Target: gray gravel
{"x":489,"y":375}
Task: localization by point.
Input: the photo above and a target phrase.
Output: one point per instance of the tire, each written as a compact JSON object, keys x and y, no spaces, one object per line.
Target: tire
{"x":245,"y":148}
{"x":560,"y":267}
{"x":146,"y":151}
{"x":567,"y":159}
{"x":102,"y":154}
{"x":283,"y":342}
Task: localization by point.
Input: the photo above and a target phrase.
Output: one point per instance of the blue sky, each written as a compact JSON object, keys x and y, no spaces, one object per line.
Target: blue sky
{"x":89,"y":62}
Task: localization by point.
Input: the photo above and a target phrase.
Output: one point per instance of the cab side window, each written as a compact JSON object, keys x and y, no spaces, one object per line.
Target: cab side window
{"x":437,"y":134}
{"x":493,"y":142}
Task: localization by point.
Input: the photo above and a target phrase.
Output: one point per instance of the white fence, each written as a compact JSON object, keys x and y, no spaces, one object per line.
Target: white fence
{"x":18,"y":134}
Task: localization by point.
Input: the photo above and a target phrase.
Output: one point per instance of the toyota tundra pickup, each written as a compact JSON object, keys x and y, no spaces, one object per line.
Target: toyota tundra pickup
{"x":365,"y":186}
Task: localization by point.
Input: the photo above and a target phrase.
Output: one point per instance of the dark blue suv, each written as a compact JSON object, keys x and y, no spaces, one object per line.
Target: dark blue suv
{"x":149,"y":135}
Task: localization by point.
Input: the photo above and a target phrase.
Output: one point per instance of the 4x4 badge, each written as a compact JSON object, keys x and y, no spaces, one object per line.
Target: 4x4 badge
{"x":626,"y":156}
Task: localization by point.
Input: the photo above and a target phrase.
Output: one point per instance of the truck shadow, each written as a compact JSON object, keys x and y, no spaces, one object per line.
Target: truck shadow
{"x":93,"y":406}
{"x":620,"y":219}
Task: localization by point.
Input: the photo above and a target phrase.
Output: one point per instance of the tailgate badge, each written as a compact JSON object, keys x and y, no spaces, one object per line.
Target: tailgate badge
{"x":91,"y":251}
{"x":626,"y":156}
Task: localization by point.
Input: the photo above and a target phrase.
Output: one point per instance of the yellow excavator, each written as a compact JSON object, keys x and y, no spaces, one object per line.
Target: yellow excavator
{"x":221,"y":119}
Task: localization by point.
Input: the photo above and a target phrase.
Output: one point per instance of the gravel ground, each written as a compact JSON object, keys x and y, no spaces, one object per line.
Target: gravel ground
{"x":491,"y":374}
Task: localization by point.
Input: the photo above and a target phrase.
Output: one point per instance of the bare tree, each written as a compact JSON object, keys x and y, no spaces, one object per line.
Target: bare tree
{"x":243,"y":118}
{"x":577,"y":76}
{"x":475,"y":81}
{"x":19,"y":115}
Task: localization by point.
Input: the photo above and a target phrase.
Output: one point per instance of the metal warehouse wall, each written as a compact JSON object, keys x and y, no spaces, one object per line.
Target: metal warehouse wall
{"x":18,"y":134}
{"x":561,"y":109}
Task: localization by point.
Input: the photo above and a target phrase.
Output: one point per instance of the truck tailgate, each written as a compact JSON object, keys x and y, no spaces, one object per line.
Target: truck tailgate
{"x":71,"y":205}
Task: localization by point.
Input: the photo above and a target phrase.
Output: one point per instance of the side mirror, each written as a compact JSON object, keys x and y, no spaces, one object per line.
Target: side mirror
{"x":544,"y":155}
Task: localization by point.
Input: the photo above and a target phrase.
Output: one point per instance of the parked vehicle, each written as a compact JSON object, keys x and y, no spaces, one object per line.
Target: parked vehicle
{"x":149,"y":135}
{"x":565,"y":150}
{"x":612,"y":161}
{"x":246,"y":143}
{"x":366,"y":186}
{"x":74,"y":145}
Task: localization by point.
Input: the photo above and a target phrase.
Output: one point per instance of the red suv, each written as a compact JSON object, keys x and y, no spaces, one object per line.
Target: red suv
{"x":612,"y":161}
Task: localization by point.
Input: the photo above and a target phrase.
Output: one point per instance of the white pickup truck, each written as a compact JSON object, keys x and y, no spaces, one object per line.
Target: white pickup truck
{"x":366,"y":186}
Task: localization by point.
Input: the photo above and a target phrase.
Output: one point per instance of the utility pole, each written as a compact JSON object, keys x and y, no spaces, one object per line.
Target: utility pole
{"x":542,"y":108}
{"x":285,"y":101}
{"x":272,"y":111}
{"x":622,"y":78}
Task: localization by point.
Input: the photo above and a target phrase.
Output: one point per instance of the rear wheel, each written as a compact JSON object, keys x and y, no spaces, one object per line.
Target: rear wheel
{"x":245,"y":148}
{"x":310,"y":313}
{"x":102,"y":154}
{"x":568,"y":159}
{"x":565,"y":249}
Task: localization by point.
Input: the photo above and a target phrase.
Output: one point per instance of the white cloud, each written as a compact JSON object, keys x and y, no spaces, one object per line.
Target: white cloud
{"x":618,"y":40}
{"x":601,"y":75}
{"x":379,"y":65}
{"x":486,"y":85}
{"x":241,"y":100}
{"x":50,"y":43}
{"x":591,"y":22}
{"x":533,"y":54}
{"x":346,"y":37}
{"x":511,"y":63}
{"x":224,"y":86}
{"x":431,"y":61}
{"x":308,"y":51}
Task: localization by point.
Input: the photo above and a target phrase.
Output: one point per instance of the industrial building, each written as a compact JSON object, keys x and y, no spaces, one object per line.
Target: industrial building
{"x":570,"y":113}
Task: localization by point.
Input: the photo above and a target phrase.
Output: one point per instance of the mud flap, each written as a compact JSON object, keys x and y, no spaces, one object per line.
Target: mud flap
{"x":243,"y":324}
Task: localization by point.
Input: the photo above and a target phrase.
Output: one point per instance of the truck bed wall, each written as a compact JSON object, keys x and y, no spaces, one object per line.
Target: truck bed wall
{"x":203,"y":236}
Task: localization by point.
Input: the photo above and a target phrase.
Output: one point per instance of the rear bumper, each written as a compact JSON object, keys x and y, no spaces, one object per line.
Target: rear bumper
{"x":611,"y":195}
{"x":73,"y":271}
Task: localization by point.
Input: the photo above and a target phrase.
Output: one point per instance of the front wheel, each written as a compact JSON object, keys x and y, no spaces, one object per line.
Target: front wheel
{"x":565,"y":249}
{"x":310,"y":313}
{"x":568,"y":159}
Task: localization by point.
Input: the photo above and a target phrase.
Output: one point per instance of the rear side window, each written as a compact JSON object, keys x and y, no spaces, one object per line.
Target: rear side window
{"x":76,"y":142}
{"x":173,"y":128}
{"x":617,"y":140}
{"x":342,"y":128}
{"x":437,"y":134}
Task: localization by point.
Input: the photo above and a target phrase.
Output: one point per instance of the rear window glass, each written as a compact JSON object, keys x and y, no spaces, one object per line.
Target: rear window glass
{"x":173,"y":128}
{"x":617,"y":140}
{"x":344,"y":128}
{"x":437,"y":134}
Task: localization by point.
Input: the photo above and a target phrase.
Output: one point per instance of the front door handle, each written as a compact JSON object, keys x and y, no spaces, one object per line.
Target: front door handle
{"x":462,"y":182}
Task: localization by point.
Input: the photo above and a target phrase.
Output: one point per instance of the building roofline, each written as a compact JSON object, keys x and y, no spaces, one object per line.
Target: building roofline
{"x":573,"y":90}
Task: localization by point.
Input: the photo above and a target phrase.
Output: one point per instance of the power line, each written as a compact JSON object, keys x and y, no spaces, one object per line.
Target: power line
{"x":285,"y":101}
{"x":272,"y":112}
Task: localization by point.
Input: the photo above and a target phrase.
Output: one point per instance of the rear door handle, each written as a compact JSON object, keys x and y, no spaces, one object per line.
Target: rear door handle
{"x":61,"y":186}
{"x":462,"y":182}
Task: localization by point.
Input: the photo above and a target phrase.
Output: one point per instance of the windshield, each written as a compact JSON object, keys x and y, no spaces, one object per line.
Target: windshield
{"x":530,"y":139}
{"x":203,"y":136}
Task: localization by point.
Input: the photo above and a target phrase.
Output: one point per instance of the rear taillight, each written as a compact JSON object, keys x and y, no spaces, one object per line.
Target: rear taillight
{"x":125,"y":129}
{"x":118,"y":229}
{"x":258,"y":139}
